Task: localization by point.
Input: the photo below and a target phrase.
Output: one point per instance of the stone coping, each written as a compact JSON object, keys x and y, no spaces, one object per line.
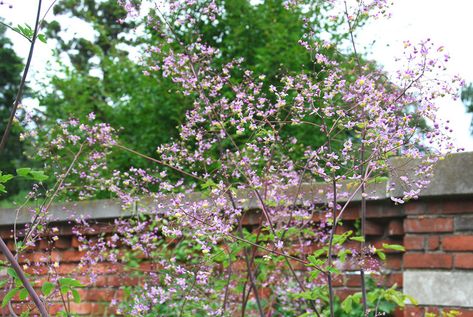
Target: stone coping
{"x":452,"y":176}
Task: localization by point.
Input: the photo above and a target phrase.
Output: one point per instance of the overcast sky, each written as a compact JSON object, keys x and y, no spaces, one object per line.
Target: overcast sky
{"x":447,"y":23}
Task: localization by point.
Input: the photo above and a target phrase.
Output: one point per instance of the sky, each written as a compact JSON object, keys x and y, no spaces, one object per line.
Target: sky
{"x":446,"y":23}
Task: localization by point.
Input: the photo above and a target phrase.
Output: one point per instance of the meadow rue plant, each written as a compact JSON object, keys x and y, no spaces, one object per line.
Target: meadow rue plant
{"x":236,"y":150}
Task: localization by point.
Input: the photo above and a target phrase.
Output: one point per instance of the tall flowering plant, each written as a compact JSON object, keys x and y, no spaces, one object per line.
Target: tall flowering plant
{"x":237,"y":149}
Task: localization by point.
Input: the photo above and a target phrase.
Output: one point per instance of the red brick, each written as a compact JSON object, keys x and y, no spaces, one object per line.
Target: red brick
{"x":343,"y":293}
{"x":395,"y":228}
{"x":394,"y":278}
{"x":351,"y":213}
{"x":373,"y":229}
{"x":67,"y":268}
{"x":425,"y":225}
{"x":118,"y":280}
{"x":434,"y":310}
{"x":463,"y":261}
{"x":82,"y":308}
{"x":393,"y":262}
{"x":427,"y":261}
{"x":433,"y":242}
{"x":353,"y":280}
{"x":75,"y":243}
{"x":62,"y":243}
{"x":457,"y":243}
{"x":6,"y":234}
{"x":414,"y":242}
{"x":67,"y":256}
{"x":413,"y":311}
{"x":383,"y":211}
{"x":44,"y":244}
{"x":415,"y":208}
{"x":36,"y":257}
{"x":342,"y":229}
{"x":398,"y":312}
{"x":465,"y":312}
{"x":451,"y":207}
{"x":337,"y":281}
{"x":97,"y":295}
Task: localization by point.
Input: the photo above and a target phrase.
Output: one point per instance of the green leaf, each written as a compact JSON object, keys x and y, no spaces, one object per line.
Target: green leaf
{"x":38,"y":176}
{"x":69,"y":282}
{"x":359,"y":239}
{"x":42,"y":38}
{"x":347,"y":304}
{"x":3,"y":282}
{"x":333,"y":270}
{"x":47,"y":288}
{"x":12,"y":273}
{"x":396,"y":247}
{"x":8,"y":297}
{"x":75,"y":296}
{"x":2,"y":189}
{"x":23,"y":294}
{"x":208,"y":184}
{"x":319,"y":252}
{"x":342,"y":255}
{"x":64,"y":289}
{"x":5,"y":178}
{"x":381,"y":254}
{"x":23,"y":171}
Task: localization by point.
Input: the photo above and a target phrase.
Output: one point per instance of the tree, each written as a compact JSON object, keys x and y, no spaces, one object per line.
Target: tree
{"x":467,"y":98}
{"x":102,"y":78}
{"x":10,"y":70}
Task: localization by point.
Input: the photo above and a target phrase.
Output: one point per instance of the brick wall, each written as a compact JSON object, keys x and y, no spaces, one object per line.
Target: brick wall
{"x":439,"y":239}
{"x":437,"y":233}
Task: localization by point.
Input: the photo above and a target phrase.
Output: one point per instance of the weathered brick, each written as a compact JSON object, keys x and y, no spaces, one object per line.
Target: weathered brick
{"x":394,"y":278}
{"x":426,"y":225}
{"x":97,"y":294}
{"x":433,"y":242}
{"x":67,"y":256}
{"x":465,"y":312}
{"x":413,"y":311}
{"x":427,"y":261}
{"x":373,"y":229}
{"x":451,"y":207}
{"x":383,"y":211}
{"x":352,"y":280}
{"x":395,"y":228}
{"x":62,"y":243}
{"x":458,"y":243}
{"x":343,"y":293}
{"x":464,"y":223}
{"x":463,"y":261}
{"x":415,"y":208}
{"x":414,"y":242}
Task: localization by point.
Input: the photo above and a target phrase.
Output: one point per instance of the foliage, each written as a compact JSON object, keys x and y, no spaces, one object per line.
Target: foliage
{"x":148,"y":112}
{"x":10,"y":71}
{"x":239,"y":144}
{"x":467,"y":98}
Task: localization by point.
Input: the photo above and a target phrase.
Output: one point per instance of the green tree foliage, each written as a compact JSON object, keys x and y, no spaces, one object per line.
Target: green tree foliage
{"x":10,"y":72}
{"x":467,"y":98}
{"x":99,"y":75}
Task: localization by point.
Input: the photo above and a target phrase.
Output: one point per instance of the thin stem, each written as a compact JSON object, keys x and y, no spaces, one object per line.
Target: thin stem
{"x":248,"y":264}
{"x":21,"y":89}
{"x":362,"y":171}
